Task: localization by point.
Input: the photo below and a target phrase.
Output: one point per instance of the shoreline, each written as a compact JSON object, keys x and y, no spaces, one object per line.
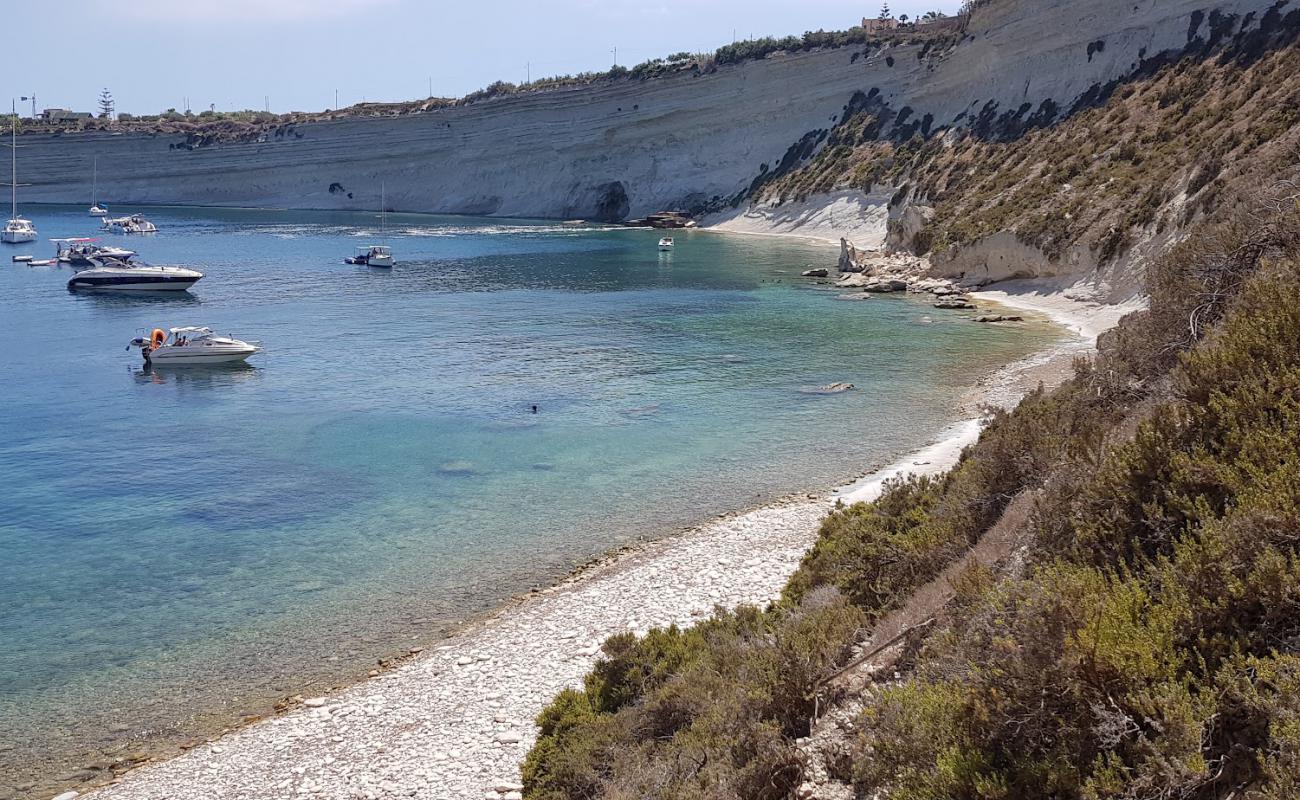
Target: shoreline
{"x":456,"y":721}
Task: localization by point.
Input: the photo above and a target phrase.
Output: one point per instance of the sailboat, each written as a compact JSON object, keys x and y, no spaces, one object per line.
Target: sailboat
{"x":17,"y":230}
{"x":95,"y":210}
{"x":374,"y":255}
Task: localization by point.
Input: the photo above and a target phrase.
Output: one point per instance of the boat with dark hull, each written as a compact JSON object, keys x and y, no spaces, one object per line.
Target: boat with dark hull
{"x":123,"y":276}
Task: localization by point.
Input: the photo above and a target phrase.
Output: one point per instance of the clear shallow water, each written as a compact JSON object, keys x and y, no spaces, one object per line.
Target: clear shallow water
{"x":183,"y":546}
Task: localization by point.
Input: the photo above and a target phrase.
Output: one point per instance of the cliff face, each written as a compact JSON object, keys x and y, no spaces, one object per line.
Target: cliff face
{"x":627,"y":148}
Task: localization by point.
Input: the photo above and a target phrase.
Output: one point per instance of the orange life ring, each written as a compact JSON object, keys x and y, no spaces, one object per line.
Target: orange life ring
{"x":157,"y":338}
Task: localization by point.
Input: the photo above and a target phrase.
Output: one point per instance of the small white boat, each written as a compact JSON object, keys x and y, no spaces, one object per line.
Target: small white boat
{"x":192,"y":346}
{"x":111,"y":274}
{"x":130,"y":224}
{"x":666,"y":243}
{"x":372,"y":255}
{"x":95,"y":209}
{"x":17,"y":230}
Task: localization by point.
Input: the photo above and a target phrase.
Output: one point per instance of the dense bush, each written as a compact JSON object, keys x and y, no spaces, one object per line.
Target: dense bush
{"x":700,"y":713}
{"x":1153,"y":650}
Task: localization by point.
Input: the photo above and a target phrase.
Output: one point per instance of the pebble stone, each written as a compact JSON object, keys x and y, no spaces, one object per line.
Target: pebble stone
{"x":426,"y":731}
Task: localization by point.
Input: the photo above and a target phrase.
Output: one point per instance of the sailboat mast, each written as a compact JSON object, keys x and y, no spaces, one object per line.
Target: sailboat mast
{"x":94,"y":183}
{"x":13,"y":160}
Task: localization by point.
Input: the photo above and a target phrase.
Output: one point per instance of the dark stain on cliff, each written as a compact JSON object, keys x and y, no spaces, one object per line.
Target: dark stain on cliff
{"x":612,"y":204}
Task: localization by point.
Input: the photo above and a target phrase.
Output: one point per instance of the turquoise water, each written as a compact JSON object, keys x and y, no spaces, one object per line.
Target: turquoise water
{"x":183,"y":546}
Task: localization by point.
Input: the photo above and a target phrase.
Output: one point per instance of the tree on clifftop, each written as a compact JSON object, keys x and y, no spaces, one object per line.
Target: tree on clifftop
{"x":884,"y":11}
{"x":106,"y":103}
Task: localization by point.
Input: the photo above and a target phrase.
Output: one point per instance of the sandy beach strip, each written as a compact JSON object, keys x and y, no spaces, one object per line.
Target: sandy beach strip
{"x":456,"y":721}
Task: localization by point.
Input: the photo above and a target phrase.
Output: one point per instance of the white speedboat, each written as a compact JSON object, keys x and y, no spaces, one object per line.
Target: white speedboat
{"x":129,"y":224}
{"x":17,"y":230}
{"x":666,"y":243}
{"x":372,"y":255}
{"x":111,"y":274}
{"x":192,"y":346}
{"x":84,"y":253}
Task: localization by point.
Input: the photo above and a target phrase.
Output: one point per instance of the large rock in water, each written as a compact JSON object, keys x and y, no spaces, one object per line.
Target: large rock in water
{"x":849,"y":259}
{"x":815,"y":273}
{"x":885,"y":286}
{"x":830,"y":388}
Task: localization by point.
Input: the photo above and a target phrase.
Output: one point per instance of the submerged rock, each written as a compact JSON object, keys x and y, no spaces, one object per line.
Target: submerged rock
{"x":998,"y":318}
{"x":954,"y":304}
{"x":815,"y":273}
{"x":830,"y":388}
{"x":457,"y":468}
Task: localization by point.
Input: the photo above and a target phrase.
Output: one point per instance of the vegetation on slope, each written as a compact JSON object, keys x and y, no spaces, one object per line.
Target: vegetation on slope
{"x":1149,"y":154}
{"x":1150,"y":649}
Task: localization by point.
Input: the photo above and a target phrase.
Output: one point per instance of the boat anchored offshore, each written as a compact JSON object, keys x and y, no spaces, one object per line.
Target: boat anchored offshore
{"x":113,"y":274}
{"x":84,"y":253}
{"x":372,"y":255}
{"x":17,"y":230}
{"x":666,"y":243}
{"x":129,"y":224}
{"x":95,"y":209}
{"x":192,"y":346}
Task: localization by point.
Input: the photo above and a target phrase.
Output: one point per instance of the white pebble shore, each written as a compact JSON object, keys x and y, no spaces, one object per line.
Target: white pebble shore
{"x":456,"y":721}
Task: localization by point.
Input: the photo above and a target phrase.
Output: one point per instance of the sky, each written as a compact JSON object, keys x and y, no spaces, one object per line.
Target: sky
{"x":292,"y":55}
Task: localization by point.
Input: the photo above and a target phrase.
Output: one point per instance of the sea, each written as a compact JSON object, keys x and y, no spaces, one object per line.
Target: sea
{"x":182,"y":547}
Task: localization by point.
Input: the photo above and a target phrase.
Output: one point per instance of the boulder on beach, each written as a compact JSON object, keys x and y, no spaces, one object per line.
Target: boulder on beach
{"x":854,"y":280}
{"x":815,"y":273}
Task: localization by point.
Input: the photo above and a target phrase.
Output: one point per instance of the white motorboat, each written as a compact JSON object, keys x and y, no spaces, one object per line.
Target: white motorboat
{"x":192,"y":346}
{"x":372,"y":255}
{"x":95,"y":209}
{"x":17,"y":230}
{"x":84,"y":253}
{"x":111,"y":274}
{"x":666,"y":243}
{"x":129,"y":224}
